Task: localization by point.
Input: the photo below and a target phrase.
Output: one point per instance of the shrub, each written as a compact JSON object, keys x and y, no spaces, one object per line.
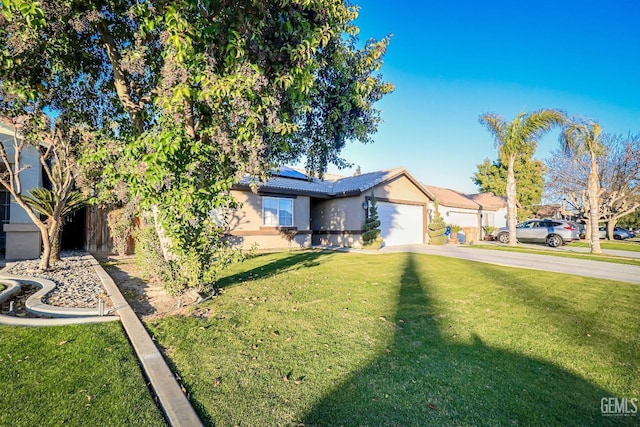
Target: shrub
{"x":371,"y":228}
{"x":437,"y":228}
{"x":120,"y":222}
{"x":148,"y":252}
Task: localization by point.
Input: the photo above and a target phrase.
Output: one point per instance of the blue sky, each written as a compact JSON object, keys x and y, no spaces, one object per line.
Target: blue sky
{"x":451,"y":61}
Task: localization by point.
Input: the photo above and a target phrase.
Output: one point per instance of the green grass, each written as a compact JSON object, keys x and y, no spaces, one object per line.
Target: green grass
{"x":404,"y":339}
{"x":632,"y":246}
{"x":562,"y":253}
{"x":80,"y":375}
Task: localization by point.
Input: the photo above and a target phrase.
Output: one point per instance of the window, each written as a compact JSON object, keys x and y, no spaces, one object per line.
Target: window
{"x":5,"y":209}
{"x":277,"y":211}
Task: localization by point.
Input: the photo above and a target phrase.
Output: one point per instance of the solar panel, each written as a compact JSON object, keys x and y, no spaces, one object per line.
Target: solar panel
{"x":287,"y":172}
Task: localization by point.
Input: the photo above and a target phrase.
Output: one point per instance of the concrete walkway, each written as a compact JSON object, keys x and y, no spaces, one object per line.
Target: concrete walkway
{"x":557,"y":264}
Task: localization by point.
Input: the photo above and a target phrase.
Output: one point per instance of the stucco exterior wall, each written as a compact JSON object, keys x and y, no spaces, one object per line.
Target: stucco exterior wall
{"x":23,"y":238}
{"x":246,"y":223}
{"x":339,"y":221}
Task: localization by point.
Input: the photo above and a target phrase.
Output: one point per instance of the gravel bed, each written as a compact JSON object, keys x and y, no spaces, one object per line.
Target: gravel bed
{"x":77,"y":284}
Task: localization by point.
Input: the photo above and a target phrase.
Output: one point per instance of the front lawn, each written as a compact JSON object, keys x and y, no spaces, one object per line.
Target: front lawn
{"x":319,"y":338}
{"x":78,"y":375}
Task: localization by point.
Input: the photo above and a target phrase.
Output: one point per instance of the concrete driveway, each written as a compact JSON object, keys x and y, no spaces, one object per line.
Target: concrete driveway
{"x":557,"y":264}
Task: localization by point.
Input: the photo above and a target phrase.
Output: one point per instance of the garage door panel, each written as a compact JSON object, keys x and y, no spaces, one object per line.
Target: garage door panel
{"x":400,"y":224}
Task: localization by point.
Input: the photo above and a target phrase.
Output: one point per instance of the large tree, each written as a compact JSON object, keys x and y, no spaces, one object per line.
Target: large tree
{"x":618,"y":176}
{"x":512,"y":140}
{"x":194,"y":95}
{"x":491,"y":177}
{"x":583,"y":137}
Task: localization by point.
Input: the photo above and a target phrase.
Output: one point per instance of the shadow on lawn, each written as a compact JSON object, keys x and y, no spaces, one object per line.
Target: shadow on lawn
{"x":296,"y":261}
{"x":428,"y":379}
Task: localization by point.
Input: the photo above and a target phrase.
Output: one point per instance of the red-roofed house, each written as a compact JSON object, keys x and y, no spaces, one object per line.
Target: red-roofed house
{"x":471,"y":212}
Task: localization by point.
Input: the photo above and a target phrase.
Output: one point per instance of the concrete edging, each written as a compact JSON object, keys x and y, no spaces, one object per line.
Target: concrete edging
{"x":34,"y":304}
{"x":175,"y":405}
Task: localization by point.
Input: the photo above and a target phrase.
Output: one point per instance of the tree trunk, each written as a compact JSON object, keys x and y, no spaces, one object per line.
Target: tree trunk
{"x":46,"y":248}
{"x":593,"y":188}
{"x":611,"y":224}
{"x":55,"y":229}
{"x":587,"y":229}
{"x":512,"y":213}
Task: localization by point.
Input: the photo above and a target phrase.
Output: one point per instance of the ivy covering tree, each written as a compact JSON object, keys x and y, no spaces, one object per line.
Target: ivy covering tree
{"x":437,"y":228}
{"x":190,"y":96}
{"x":371,"y":229}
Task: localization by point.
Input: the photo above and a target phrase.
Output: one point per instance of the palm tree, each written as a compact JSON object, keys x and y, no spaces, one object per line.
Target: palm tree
{"x":514,"y":138}
{"x":582,"y":137}
{"x":54,"y":209}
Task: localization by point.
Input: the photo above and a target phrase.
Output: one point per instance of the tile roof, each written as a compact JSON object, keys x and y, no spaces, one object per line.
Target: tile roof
{"x":358,"y":184}
{"x":489,"y":200}
{"x":332,"y":185}
{"x":452,"y":198}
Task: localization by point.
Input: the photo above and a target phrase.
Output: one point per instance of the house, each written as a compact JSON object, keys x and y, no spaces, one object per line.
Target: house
{"x":471,"y":212}
{"x":19,"y":236}
{"x":493,"y":209}
{"x":293,"y":209}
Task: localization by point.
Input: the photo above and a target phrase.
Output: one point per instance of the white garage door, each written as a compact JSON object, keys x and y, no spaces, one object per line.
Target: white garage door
{"x":400,"y":224}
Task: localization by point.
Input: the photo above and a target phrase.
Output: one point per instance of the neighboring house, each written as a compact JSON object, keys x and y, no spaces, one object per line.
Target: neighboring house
{"x":457,"y":209}
{"x":493,"y":209}
{"x":472,"y":212}
{"x":292,"y":209}
{"x":19,"y":236}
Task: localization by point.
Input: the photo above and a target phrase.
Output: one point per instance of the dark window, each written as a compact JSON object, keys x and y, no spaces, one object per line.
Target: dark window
{"x":5,"y":213}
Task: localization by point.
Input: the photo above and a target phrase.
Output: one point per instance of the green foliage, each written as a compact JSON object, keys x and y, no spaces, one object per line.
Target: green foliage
{"x":514,"y":140}
{"x":188,"y":104}
{"x":148,"y":252}
{"x":631,"y":221}
{"x":120,"y":222}
{"x":454,"y":228}
{"x":44,"y":201}
{"x":371,"y":229}
{"x":491,"y":177}
{"x":196,"y":268}
{"x":437,"y":228}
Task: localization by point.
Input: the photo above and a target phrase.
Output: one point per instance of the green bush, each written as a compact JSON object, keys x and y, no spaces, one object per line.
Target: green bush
{"x":197,"y":269}
{"x":120,"y":223}
{"x":148,"y":252}
{"x":437,"y":228}
{"x":375,"y":244}
{"x":371,"y":228}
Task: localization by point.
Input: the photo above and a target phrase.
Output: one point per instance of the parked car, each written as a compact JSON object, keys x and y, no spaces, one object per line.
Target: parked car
{"x":618,"y":233}
{"x":553,"y":232}
{"x":632,"y":233}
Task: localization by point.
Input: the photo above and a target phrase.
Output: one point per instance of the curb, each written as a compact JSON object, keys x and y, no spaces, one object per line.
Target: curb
{"x":175,"y":405}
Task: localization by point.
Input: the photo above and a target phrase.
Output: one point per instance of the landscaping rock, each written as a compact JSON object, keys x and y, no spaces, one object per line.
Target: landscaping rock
{"x":77,"y":284}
